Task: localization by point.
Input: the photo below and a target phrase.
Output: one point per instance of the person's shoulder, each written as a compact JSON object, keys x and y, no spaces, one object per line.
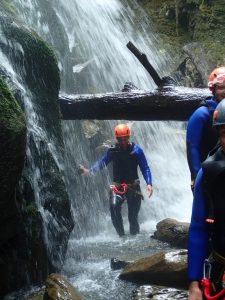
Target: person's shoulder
{"x":136,"y":148}
{"x":200,"y":113}
{"x":205,"y":107}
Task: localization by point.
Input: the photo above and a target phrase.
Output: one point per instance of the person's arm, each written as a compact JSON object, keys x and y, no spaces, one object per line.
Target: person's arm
{"x":195,"y":129}
{"x":197,"y":241}
{"x":101,"y":163}
{"x":145,"y":170}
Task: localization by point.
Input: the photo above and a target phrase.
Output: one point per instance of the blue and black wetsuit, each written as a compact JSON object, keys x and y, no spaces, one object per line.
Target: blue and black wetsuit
{"x":198,"y":233}
{"x":125,"y":163}
{"x":201,"y":136}
{"x":125,"y":170}
{"x":208,"y":201}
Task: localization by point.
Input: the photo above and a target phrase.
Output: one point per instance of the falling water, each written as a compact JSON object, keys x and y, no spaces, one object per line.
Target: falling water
{"x":97,"y":33}
{"x":41,"y":147}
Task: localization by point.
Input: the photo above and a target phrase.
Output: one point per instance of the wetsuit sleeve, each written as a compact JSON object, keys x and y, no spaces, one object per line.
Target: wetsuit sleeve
{"x":194,"y":136}
{"x":198,"y":234}
{"x":101,"y":163}
{"x":145,"y":170}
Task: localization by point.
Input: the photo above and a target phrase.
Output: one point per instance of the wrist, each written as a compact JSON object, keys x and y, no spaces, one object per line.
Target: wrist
{"x":194,"y":284}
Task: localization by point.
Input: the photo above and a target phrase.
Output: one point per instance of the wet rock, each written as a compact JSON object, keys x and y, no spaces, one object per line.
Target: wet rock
{"x":173,"y":232}
{"x":157,"y":292}
{"x":198,"y":57}
{"x":117,"y":264}
{"x":163,"y":268}
{"x":12,"y":154}
{"x":58,"y":288}
{"x":23,"y":248}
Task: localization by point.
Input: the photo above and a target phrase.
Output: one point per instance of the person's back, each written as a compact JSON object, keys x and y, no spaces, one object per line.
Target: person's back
{"x":201,"y":138}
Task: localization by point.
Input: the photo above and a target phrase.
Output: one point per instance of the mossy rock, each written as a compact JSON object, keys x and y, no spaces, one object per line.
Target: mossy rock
{"x":35,"y":56}
{"x":12,"y":156}
{"x":24,"y":250}
{"x":13,"y":141}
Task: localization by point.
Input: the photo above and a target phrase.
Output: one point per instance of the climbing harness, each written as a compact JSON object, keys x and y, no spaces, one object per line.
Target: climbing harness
{"x":117,"y":190}
{"x":118,"y":193}
{"x":206,"y":284}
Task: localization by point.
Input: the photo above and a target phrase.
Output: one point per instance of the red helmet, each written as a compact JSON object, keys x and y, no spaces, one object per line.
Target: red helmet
{"x":122,"y":130}
{"x":212,"y":77}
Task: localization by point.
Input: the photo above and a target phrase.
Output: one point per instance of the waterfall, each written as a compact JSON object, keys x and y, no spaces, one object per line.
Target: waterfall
{"x":97,"y":33}
{"x":97,"y":60}
{"x":39,"y":142}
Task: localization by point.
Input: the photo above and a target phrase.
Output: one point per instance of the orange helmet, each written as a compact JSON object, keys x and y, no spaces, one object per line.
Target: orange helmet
{"x":212,"y":77}
{"x":122,"y":130}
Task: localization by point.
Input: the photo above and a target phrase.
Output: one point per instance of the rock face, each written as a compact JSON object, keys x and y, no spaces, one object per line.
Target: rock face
{"x":57,"y":287}
{"x":12,"y":146}
{"x":172,"y":232}
{"x":179,"y":23}
{"x":164,"y":268}
{"x":33,"y":234}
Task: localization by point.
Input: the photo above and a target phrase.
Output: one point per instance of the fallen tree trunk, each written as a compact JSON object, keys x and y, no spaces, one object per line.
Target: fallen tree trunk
{"x":165,"y":103}
{"x":146,"y":64}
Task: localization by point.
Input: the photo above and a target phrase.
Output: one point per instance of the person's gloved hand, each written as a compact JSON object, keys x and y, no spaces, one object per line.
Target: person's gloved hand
{"x":83,"y":170}
{"x":149,"y":190}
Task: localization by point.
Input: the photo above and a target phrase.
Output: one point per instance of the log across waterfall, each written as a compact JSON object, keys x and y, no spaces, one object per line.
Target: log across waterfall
{"x":168,"y":102}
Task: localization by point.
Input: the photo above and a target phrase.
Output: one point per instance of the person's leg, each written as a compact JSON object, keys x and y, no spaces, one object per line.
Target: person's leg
{"x":134,"y":198}
{"x":116,"y":217}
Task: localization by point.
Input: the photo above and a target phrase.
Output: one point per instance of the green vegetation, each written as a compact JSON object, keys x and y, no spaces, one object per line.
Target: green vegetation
{"x":11,"y":115}
{"x":180,"y":22}
{"x":8,"y":6}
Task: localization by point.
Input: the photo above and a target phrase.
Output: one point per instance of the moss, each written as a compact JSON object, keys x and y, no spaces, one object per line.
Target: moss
{"x":13,"y":141}
{"x":42,"y":73}
{"x":11,"y":116}
{"x":31,"y":211}
{"x":198,"y":21}
{"x":8,"y":6}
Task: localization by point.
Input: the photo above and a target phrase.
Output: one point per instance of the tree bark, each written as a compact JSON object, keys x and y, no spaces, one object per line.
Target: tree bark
{"x":145,"y":62}
{"x":165,"y":103}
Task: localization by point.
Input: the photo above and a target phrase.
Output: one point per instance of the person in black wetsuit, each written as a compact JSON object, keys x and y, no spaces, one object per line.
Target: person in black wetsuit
{"x":206,"y":233}
{"x":125,"y":157}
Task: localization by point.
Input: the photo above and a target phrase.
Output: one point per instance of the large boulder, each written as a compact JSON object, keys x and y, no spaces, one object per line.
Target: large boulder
{"x":172,"y":232}
{"x":12,"y":156}
{"x":58,"y":287}
{"x":163,"y":268}
{"x":40,"y":210}
{"x":12,"y":146}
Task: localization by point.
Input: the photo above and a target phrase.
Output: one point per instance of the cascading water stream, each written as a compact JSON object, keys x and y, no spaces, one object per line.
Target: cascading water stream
{"x":97,"y":32}
{"x":40,"y":144}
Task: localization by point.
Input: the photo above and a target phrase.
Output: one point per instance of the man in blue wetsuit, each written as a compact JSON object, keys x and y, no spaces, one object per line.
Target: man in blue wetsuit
{"x":201,"y":136}
{"x":207,"y":228}
{"x":125,"y":157}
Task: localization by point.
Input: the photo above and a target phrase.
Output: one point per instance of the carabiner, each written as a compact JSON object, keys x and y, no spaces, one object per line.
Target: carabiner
{"x":207,"y":269}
